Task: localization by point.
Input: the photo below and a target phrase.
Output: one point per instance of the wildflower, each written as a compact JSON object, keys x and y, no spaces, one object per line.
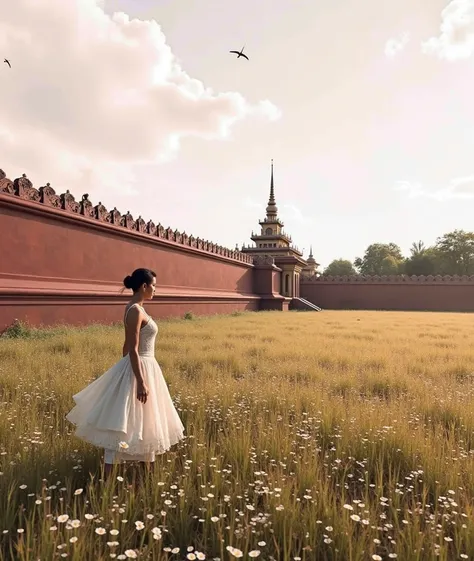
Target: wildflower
{"x":139,"y":525}
{"x":38,"y":501}
{"x":348,"y":507}
{"x":355,"y":517}
{"x":190,"y":556}
{"x":75,"y":523}
{"x":100,"y":531}
{"x":200,"y":555}
{"x":78,"y":491}
{"x":156,"y":533}
{"x":114,"y":532}
{"x":131,"y":554}
{"x":376,"y":557}
{"x":89,"y":516}
{"x":234,"y":551}
{"x":254,"y":553}
{"x":62,"y":518}
{"x":73,"y":539}
{"x":23,"y":486}
{"x":262,"y":544}
{"x":214,"y":519}
{"x":20,"y":530}
{"x":175,"y":550}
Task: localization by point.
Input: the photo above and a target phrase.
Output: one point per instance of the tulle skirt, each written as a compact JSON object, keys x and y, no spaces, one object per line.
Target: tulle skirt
{"x":108,"y":414}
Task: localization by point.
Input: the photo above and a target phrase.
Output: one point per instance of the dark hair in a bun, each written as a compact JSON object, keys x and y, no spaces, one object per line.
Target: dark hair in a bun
{"x":138,"y":278}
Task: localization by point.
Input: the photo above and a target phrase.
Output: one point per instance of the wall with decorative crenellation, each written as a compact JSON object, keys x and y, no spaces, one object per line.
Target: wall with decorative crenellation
{"x":24,"y":190}
{"x":400,"y":292}
{"x":63,"y":261}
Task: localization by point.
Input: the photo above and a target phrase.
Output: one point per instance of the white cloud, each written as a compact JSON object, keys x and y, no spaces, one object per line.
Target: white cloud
{"x":456,"y":38}
{"x":411,"y":188}
{"x":457,"y":188}
{"x":91,"y":95}
{"x":293,"y":212}
{"x":396,"y":45}
{"x":463,"y":186}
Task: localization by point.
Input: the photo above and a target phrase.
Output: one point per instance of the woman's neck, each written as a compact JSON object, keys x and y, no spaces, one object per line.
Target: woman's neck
{"x":137,"y":300}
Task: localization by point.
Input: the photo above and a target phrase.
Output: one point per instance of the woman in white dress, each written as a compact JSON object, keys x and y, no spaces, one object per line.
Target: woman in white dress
{"x":128,"y":411}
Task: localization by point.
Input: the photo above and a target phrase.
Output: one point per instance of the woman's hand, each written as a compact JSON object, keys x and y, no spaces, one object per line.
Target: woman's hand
{"x":142,"y":392}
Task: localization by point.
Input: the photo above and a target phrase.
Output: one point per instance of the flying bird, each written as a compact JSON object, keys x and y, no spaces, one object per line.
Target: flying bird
{"x":7,"y":62}
{"x":240,"y":53}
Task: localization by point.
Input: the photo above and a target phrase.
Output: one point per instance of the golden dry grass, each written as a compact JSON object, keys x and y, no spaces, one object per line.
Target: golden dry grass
{"x":328,"y":436}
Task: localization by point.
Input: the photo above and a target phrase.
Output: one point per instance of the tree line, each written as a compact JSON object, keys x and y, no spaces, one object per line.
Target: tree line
{"x":452,"y":254}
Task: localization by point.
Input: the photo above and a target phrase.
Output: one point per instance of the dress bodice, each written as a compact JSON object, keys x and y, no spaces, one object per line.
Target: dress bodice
{"x":147,"y":337}
{"x":148,"y":333}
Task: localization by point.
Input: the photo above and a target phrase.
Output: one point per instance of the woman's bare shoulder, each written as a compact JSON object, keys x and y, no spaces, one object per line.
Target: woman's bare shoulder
{"x":132,"y":313}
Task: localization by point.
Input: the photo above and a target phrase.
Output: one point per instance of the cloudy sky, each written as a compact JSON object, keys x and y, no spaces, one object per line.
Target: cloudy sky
{"x":367,"y":113}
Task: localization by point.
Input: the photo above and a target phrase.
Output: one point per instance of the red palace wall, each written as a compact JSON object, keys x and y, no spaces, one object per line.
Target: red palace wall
{"x":446,"y":294}
{"x":63,"y":261}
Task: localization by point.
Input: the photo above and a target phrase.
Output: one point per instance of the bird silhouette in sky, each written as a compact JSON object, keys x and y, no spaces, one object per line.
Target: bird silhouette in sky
{"x":6,"y":61}
{"x":240,"y":53}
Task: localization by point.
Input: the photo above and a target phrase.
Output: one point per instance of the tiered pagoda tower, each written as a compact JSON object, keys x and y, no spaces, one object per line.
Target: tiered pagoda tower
{"x":311,"y":268}
{"x":275,"y":242}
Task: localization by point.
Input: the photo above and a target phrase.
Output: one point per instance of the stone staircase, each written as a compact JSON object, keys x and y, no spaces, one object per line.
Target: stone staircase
{"x":303,"y":305}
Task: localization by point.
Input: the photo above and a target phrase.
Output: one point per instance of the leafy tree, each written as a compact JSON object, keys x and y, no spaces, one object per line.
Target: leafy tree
{"x":426,"y":264}
{"x":422,"y":261}
{"x":456,"y":252}
{"x":340,"y":267}
{"x":391,"y":266}
{"x":418,"y":248}
{"x":380,"y":259}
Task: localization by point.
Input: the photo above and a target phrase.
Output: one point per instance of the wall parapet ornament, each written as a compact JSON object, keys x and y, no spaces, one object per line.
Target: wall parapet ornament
{"x":23,"y":189}
{"x":389,"y":279}
{"x":263,"y":260}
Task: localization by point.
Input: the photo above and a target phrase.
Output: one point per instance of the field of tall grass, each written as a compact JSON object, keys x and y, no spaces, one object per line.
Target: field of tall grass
{"x":310,"y":436}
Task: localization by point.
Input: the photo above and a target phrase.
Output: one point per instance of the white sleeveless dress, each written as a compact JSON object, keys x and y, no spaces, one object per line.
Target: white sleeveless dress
{"x":108,"y":414}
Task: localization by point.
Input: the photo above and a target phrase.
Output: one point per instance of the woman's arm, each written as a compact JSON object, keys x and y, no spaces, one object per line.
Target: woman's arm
{"x":133,"y":324}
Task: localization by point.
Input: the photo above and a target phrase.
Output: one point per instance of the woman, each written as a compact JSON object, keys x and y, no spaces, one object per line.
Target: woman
{"x":128,"y":410}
